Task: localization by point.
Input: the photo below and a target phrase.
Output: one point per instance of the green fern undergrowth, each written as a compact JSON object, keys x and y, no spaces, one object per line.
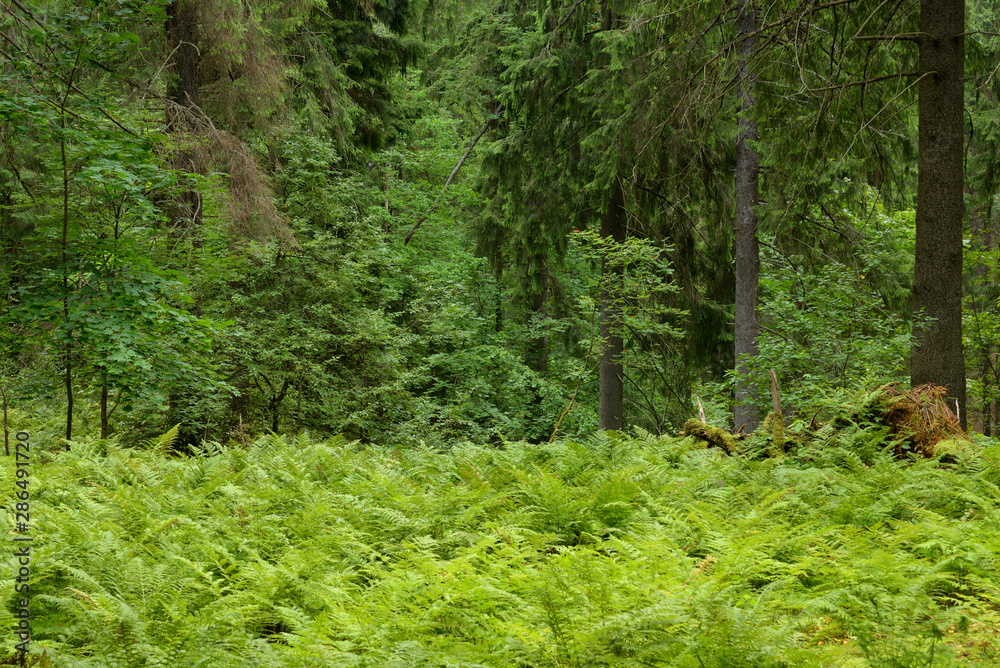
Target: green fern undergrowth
{"x":620,"y":551}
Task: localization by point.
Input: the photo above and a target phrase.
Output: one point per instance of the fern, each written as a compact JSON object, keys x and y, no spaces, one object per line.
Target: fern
{"x":614,"y":552}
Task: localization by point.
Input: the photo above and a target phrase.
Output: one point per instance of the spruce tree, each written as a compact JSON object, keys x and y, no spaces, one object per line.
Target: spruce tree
{"x":747,"y":255}
{"x":937,"y":356}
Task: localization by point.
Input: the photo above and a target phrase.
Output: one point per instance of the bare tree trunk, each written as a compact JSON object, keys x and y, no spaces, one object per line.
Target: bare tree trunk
{"x":995,"y":412}
{"x":276,"y":405}
{"x":493,"y":249}
{"x":68,"y":384}
{"x":937,"y":355}
{"x":746,"y":415}
{"x":611,"y":399}
{"x":274,"y":398}
{"x":986,"y":427}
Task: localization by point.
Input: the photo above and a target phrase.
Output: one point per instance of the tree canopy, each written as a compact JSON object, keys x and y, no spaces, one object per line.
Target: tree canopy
{"x":486,"y":221}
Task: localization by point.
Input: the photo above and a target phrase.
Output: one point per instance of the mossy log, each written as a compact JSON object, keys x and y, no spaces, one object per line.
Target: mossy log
{"x":714,"y":436}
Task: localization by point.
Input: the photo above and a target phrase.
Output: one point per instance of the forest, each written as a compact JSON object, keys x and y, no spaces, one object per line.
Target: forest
{"x":466,"y":333}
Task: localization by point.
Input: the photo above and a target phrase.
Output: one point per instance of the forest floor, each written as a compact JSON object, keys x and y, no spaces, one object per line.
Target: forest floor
{"x":620,"y":551}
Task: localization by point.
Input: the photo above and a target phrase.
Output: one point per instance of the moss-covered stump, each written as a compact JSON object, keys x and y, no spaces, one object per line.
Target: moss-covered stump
{"x":775,"y":423}
{"x":920,"y":418}
{"x":714,"y":436}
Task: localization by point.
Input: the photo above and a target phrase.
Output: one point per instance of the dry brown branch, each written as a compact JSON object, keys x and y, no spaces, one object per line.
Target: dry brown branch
{"x":250,"y":206}
{"x":908,"y":37}
{"x":775,"y":393}
{"x":920,"y":418}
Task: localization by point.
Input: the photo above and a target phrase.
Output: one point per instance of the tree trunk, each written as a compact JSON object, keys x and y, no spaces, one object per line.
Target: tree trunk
{"x":182,"y":45}
{"x":995,"y":411}
{"x":104,"y":404}
{"x":746,"y":415}
{"x":182,"y":90}
{"x":496,"y":259}
{"x":937,"y":355}
{"x":611,"y":400}
{"x":498,"y":314}
{"x":64,"y":260}
{"x":984,"y":295}
{"x":987,"y":417}
{"x":68,"y":385}
{"x":538,"y":346}
{"x":275,"y":404}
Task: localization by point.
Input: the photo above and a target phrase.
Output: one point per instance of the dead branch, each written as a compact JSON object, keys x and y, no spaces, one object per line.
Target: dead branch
{"x":897,"y":75}
{"x":775,"y":394}
{"x":451,"y":177}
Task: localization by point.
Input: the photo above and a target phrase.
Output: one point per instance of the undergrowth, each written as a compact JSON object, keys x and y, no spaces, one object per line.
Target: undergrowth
{"x":615,"y":552}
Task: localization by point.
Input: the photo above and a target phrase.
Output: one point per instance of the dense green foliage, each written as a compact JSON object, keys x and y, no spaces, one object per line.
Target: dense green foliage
{"x":613,"y":552}
{"x":350,"y":258}
{"x":240,"y":266}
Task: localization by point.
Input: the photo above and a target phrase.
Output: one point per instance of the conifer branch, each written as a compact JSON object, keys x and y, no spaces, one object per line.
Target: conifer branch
{"x":897,"y":75}
{"x":569,"y":14}
{"x":794,"y":17}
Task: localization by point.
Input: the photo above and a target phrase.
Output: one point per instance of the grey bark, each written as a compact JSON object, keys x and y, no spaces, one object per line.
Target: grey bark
{"x":611,"y":398}
{"x":182,"y":90}
{"x":937,"y":356}
{"x":182,"y":42}
{"x":746,"y":414}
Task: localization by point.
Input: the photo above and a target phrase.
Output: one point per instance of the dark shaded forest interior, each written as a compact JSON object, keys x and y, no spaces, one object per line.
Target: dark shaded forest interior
{"x":426,"y":222}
